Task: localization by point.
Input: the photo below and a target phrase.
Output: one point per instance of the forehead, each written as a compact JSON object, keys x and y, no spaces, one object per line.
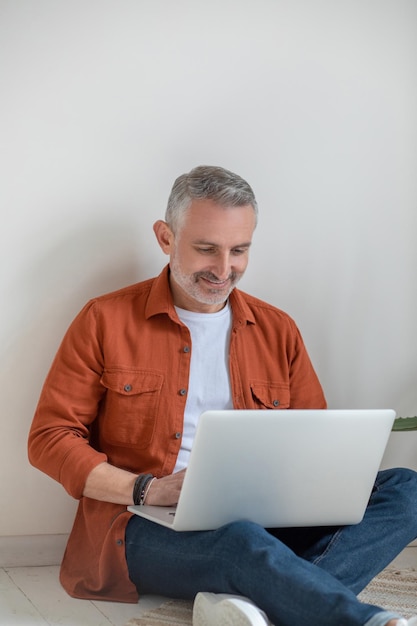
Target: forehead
{"x":206,"y":217}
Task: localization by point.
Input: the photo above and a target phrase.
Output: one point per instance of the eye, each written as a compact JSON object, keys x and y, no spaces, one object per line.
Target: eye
{"x":237,"y":251}
{"x":205,"y":250}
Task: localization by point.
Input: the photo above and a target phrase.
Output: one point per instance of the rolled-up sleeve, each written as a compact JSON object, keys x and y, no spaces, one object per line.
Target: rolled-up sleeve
{"x":59,"y":438}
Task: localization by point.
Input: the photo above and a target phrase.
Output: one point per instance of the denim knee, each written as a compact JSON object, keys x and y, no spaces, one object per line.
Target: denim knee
{"x":402,"y":477}
{"x":399,"y":486}
{"x":245,"y":534}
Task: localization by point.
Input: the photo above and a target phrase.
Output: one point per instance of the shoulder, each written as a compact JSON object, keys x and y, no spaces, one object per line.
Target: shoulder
{"x":129,"y":300}
{"x":130,"y":292}
{"x":262,"y":310}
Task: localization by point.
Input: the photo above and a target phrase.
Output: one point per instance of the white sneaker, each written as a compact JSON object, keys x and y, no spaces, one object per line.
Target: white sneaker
{"x":215,"y":609}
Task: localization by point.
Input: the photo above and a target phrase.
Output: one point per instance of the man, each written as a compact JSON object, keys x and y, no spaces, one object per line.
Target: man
{"x":117,"y":416}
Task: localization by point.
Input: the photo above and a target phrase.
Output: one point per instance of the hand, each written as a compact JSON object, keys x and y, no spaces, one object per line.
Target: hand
{"x":165,"y":491}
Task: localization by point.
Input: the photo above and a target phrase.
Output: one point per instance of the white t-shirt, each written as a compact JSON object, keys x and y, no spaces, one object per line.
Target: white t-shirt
{"x":209,"y":383}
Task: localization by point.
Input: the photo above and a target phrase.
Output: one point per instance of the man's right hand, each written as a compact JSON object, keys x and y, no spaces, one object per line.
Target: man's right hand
{"x":165,"y":491}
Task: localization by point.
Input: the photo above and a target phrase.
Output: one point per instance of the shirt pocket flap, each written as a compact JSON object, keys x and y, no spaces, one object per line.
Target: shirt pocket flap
{"x":271,"y":395}
{"x":131,"y":382}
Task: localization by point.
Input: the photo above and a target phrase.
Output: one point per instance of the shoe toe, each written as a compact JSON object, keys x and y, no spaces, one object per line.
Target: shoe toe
{"x":219,"y":609}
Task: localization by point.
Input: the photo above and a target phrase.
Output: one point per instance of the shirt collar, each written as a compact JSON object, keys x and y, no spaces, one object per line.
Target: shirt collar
{"x":160,"y":297}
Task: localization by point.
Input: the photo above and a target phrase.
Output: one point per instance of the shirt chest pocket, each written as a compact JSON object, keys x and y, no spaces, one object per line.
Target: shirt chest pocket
{"x":270,"y":395}
{"x":130,"y":406}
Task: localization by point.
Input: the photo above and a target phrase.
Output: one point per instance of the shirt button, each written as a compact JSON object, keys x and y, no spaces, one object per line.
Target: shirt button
{"x":275,"y":402}
{"x":177,"y":435}
{"x":186,"y":349}
{"x":119,"y":542}
{"x":183,"y":392}
{"x":127,"y":387}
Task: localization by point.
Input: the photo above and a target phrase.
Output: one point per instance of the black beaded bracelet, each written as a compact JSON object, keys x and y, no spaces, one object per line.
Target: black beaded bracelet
{"x":139,"y":488}
{"x":145,"y":489}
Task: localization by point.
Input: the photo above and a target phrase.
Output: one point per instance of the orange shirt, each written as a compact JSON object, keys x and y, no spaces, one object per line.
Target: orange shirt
{"x":116,"y":392}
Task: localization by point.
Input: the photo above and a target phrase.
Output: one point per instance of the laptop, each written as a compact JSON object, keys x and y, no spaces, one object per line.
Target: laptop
{"x":285,"y":468}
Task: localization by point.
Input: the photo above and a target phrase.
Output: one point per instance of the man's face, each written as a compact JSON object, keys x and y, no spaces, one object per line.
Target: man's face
{"x":208,"y":254}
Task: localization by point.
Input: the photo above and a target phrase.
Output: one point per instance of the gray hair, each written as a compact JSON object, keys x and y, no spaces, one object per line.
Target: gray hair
{"x":211,"y":183}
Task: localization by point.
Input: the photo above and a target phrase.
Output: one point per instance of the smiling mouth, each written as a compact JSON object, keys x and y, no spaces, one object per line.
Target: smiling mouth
{"x":216,"y":284}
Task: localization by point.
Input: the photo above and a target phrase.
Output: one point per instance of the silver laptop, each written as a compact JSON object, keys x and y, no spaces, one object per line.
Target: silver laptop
{"x":279,"y":468}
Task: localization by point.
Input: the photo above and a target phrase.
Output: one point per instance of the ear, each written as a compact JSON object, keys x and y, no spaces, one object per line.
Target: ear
{"x":164,"y":236}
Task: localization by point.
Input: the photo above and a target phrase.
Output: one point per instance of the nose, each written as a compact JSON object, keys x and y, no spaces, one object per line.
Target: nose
{"x":222,"y":267}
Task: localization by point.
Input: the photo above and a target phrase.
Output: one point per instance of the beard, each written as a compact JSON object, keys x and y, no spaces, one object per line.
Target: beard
{"x":201,"y":286}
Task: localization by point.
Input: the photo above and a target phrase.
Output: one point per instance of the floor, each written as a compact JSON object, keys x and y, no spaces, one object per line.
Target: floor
{"x":32,"y":596}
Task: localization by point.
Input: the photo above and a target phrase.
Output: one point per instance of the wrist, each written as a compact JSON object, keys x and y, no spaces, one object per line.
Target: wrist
{"x":147,"y":488}
{"x":141,"y":488}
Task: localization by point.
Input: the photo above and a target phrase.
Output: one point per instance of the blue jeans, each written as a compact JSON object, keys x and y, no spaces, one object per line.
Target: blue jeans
{"x":304,"y":576}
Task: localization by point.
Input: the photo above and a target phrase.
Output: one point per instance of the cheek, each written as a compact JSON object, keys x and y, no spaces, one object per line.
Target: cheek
{"x":188,"y":263}
{"x":240,"y":265}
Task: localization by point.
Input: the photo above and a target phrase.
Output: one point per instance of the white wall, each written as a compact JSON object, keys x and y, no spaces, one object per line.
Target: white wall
{"x":103,"y":103}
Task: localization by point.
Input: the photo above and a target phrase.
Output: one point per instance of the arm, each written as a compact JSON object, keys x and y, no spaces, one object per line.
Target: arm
{"x":59,"y":438}
{"x":306,"y":390}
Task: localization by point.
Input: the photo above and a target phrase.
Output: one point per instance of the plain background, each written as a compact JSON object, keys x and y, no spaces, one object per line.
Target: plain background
{"x":105,"y":102}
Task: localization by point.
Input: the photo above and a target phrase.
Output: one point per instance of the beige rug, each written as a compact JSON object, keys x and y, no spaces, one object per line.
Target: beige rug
{"x":395,"y":590}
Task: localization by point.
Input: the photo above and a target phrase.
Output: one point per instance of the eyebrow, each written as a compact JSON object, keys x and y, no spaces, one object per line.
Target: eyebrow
{"x":204,"y":242}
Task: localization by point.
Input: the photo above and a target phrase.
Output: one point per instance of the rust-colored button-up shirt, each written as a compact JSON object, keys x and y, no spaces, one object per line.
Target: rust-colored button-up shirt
{"x":116,"y":392}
